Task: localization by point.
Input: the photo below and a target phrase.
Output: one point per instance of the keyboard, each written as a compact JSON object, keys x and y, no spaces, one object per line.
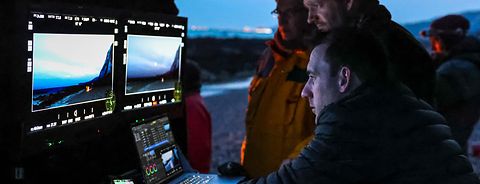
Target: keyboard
{"x":197,"y":179}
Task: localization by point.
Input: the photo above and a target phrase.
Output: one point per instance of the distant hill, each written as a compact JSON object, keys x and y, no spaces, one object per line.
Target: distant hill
{"x":472,"y":16}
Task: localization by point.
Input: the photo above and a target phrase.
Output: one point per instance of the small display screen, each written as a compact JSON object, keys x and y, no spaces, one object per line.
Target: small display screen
{"x":123,"y":181}
{"x":153,"y":63}
{"x":158,"y":153}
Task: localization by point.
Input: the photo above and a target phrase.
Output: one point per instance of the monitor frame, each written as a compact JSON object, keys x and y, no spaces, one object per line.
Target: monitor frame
{"x":143,"y":24}
{"x":171,"y":145}
{"x":45,"y":21}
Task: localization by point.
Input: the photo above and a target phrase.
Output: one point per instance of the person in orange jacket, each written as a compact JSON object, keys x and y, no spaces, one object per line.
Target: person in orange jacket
{"x":279,"y":122}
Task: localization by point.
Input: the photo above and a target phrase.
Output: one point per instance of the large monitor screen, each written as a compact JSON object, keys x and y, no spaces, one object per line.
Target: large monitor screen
{"x":70,"y":69}
{"x":153,"y":63}
{"x":152,"y":56}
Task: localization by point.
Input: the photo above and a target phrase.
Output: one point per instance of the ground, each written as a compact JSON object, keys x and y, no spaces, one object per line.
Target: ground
{"x":228,"y":123}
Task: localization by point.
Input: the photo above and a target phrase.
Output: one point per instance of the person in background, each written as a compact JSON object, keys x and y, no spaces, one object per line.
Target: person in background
{"x":199,"y":122}
{"x":279,"y":123}
{"x":369,"y":128}
{"x":458,"y":74}
{"x":409,"y":59}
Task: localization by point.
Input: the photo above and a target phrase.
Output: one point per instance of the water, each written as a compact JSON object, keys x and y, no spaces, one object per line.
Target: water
{"x":223,"y":34}
{"x":209,"y":90}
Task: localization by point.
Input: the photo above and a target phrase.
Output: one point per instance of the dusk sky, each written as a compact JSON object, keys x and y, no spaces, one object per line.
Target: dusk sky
{"x":235,"y":14}
{"x":149,"y":56}
{"x":61,"y":60}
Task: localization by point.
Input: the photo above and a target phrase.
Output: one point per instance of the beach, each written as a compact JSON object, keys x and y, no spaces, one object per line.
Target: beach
{"x":228,"y":124}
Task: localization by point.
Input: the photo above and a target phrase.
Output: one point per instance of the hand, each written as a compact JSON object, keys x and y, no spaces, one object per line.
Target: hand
{"x":286,"y":161}
{"x":231,"y":169}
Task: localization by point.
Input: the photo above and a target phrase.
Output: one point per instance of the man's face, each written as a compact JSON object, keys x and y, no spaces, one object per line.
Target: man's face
{"x":292,"y":19}
{"x":326,"y":14}
{"x":320,"y":88}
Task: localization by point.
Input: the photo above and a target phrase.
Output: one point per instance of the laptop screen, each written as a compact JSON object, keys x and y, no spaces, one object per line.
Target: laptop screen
{"x":157,"y":150}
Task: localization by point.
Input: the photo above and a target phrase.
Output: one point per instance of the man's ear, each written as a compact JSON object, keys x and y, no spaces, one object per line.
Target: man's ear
{"x":349,"y":4}
{"x":344,"y":79}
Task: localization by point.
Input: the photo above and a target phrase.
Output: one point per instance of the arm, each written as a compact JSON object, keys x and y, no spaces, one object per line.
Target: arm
{"x":339,"y":153}
{"x":309,"y":167}
{"x":328,"y":158}
{"x":300,"y":147}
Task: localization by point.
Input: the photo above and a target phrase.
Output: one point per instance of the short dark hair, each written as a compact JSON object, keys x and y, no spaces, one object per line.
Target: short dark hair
{"x":359,"y":50}
{"x":191,"y":76}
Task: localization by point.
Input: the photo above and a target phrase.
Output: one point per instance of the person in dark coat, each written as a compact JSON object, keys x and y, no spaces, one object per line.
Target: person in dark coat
{"x":458,"y":74}
{"x":410,"y":61}
{"x":369,"y":129}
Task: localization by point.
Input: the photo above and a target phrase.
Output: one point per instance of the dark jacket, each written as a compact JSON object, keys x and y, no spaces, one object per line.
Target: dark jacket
{"x":378,"y":135}
{"x":458,"y":88}
{"x":410,"y":62}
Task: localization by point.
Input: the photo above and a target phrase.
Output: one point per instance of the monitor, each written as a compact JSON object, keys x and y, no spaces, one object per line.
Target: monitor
{"x":159,"y":157}
{"x":70,"y":64}
{"x":153,"y":53}
{"x":153,"y":63}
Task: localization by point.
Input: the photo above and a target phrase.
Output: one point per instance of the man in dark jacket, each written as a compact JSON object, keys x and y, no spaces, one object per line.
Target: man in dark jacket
{"x":458,"y":74}
{"x":409,"y":59}
{"x":369,"y":129}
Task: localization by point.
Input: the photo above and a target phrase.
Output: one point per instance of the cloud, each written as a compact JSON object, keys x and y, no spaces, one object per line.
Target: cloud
{"x":149,"y":56}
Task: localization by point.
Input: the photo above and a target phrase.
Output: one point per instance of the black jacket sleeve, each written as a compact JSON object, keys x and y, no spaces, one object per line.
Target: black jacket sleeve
{"x":321,"y":161}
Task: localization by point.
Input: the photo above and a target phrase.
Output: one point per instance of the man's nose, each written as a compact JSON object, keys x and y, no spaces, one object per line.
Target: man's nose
{"x":311,"y":17}
{"x":306,"y":92}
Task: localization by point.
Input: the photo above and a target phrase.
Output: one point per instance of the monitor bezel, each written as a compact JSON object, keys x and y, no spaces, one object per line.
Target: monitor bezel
{"x":149,"y":120}
{"x":43,"y":120}
{"x":128,"y":102}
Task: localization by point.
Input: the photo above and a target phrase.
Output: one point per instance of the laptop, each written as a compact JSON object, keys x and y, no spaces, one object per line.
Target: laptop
{"x":161,"y":160}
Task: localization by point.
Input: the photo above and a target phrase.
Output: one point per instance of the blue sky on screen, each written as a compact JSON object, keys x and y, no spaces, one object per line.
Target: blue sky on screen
{"x":235,"y":14}
{"x":61,"y":60}
{"x":149,"y":56}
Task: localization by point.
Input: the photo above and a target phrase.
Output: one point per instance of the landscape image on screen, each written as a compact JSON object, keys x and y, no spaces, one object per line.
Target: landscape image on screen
{"x":70,"y":69}
{"x":153,"y":63}
{"x":170,"y":159}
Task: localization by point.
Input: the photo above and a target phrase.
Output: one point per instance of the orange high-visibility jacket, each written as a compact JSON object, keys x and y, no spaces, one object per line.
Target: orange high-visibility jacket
{"x":279,"y":122}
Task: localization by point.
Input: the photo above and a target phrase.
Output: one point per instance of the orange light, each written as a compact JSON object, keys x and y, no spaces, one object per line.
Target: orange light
{"x":437,"y":46}
{"x":242,"y":151}
{"x":281,"y":30}
{"x":88,"y":88}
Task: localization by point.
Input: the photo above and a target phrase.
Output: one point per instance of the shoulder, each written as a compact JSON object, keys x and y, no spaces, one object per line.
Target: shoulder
{"x":194,"y":101}
{"x":265,"y":63}
{"x":266,"y":55}
{"x":456,"y":65}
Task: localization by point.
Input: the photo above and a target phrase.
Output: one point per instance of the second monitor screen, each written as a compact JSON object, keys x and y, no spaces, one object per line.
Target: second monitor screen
{"x":153,"y":63}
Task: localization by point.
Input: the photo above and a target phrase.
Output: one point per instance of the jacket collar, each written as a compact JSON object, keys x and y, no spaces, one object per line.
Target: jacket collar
{"x":366,"y":92}
{"x":283,"y":47}
{"x":374,"y":15}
